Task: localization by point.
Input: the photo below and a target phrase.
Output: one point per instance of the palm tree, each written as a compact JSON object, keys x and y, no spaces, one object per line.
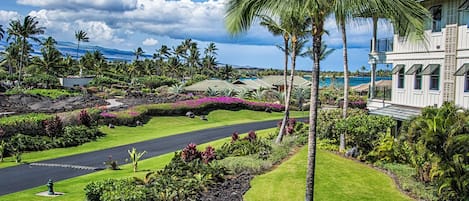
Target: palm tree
{"x":297,"y":24}
{"x":1,"y":32}
{"x":23,"y":31}
{"x":81,"y":36}
{"x":210,"y":52}
{"x":138,"y":53}
{"x":51,"y":57}
{"x":279,"y":29}
{"x":241,"y":13}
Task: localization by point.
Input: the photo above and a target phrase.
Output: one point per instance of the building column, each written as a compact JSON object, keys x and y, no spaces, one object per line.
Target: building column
{"x":373,"y":51}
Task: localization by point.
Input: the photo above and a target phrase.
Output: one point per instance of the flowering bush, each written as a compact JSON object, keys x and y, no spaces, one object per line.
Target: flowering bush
{"x":107,"y":115}
{"x":227,"y":101}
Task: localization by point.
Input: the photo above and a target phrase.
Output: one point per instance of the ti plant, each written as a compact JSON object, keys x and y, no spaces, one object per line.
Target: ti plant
{"x":135,"y":157}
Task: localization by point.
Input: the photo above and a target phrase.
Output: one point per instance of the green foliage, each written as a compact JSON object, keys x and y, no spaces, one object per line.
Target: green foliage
{"x":212,"y":92}
{"x":384,"y":150}
{"x":114,"y":189}
{"x":50,"y":93}
{"x":327,"y":128}
{"x":53,"y":127}
{"x":196,"y":78}
{"x":41,"y":81}
{"x":439,"y":140}
{"x":239,"y":164}
{"x":244,"y":147}
{"x":153,"y":82}
{"x":327,"y":144}
{"x":364,"y":130}
{"x":105,"y":81}
{"x":30,"y":124}
{"x":2,"y":150}
{"x":135,"y":157}
{"x":177,"y":89}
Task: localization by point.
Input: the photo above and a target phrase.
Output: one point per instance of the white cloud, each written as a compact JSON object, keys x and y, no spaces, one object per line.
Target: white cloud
{"x":6,"y":16}
{"x":114,"y":5}
{"x":150,"y":42}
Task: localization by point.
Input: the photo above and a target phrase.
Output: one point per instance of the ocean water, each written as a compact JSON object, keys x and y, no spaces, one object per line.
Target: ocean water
{"x":353,"y":81}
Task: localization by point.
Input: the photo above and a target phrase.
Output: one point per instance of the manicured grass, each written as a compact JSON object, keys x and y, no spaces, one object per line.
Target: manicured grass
{"x":337,"y":178}
{"x":73,"y":188}
{"x":157,"y":127}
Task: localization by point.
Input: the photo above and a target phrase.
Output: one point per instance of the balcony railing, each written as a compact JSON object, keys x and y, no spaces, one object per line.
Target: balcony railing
{"x":381,"y":93}
{"x":383,"y":45}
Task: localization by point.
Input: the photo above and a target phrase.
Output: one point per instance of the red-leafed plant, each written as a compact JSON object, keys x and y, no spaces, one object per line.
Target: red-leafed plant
{"x":234,"y":137}
{"x":208,"y":155}
{"x":53,"y":127}
{"x":190,"y":153}
{"x":84,"y":118}
{"x":251,"y":136}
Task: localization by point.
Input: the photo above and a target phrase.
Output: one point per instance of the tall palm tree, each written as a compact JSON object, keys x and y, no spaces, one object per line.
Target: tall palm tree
{"x":210,"y":52}
{"x":297,"y":25}
{"x":241,"y":13}
{"x":81,"y":36}
{"x":24,"y":30}
{"x":278,"y":28}
{"x":51,"y":58}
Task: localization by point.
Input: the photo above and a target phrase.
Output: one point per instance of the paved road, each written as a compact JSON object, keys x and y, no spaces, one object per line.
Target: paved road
{"x":13,"y":179}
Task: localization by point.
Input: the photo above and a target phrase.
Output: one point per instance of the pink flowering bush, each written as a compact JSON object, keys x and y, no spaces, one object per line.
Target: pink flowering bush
{"x":226,"y":101}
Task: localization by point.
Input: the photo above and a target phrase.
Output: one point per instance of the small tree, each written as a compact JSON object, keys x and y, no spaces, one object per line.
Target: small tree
{"x":135,"y":157}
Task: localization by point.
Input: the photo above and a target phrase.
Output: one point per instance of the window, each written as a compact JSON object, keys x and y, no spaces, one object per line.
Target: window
{"x":436,"y":18}
{"x":418,"y":79}
{"x":435,"y":79}
{"x":400,"y":80}
{"x":466,"y":81}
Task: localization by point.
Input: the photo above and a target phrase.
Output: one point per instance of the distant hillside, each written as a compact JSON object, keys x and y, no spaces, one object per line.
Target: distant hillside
{"x":69,"y":48}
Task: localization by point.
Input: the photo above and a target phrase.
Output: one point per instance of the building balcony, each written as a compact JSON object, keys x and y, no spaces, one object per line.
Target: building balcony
{"x":383,"y":45}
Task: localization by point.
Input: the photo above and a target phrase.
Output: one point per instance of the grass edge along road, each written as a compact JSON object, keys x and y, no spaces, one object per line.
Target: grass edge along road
{"x":157,"y":127}
{"x":337,"y":178}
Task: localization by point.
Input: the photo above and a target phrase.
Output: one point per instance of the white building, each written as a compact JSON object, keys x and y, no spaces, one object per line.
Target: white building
{"x":427,"y":72}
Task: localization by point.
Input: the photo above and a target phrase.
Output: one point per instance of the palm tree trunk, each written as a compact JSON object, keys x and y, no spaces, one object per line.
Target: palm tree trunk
{"x":23,"y":52}
{"x":346,"y":82}
{"x":288,"y":91}
{"x":285,"y":67}
{"x":78,"y":59}
{"x":313,"y":111}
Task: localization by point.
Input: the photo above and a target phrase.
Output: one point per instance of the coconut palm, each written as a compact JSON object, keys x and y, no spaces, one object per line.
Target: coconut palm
{"x":279,"y":28}
{"x":51,"y":58}
{"x":210,"y":52}
{"x":24,"y":30}
{"x":241,"y":13}
{"x":81,"y":36}
{"x":297,"y":24}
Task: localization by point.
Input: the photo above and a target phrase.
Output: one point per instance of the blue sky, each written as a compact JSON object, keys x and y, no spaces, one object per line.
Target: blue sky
{"x":128,"y":24}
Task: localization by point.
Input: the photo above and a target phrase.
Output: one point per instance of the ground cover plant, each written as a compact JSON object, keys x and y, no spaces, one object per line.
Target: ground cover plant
{"x":50,"y":93}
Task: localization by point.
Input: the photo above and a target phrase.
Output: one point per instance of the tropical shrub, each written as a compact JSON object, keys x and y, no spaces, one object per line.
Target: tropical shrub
{"x":105,"y":81}
{"x":327,"y":128}
{"x":156,"y":81}
{"x":41,"y":81}
{"x":249,"y":145}
{"x":439,"y":138}
{"x":135,"y":157}
{"x":84,"y":118}
{"x":363,"y":131}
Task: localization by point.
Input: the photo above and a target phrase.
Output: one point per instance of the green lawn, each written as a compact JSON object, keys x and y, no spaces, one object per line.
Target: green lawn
{"x":73,"y":188}
{"x":157,"y":127}
{"x":337,"y":179}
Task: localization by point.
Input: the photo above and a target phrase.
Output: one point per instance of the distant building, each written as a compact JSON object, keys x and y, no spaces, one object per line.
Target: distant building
{"x":72,"y":81}
{"x":428,"y":72}
{"x":277,"y":81}
{"x":252,"y":84}
{"x":217,"y":85}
